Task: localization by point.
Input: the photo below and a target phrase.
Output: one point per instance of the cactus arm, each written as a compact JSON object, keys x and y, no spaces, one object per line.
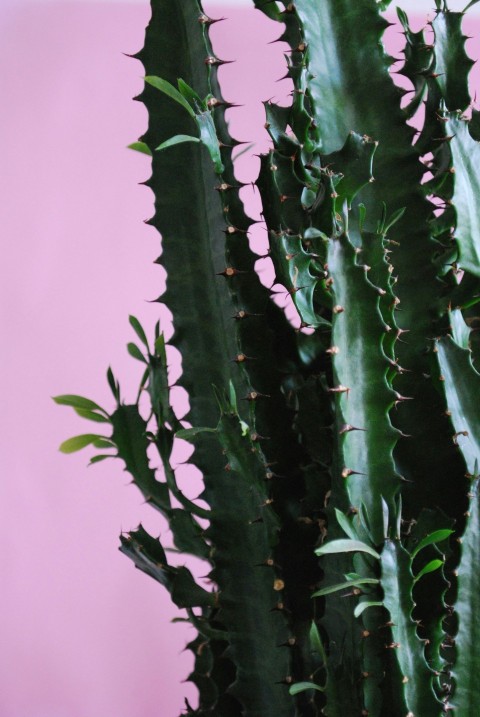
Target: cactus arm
{"x":466,"y":695}
{"x":361,"y":388}
{"x":129,"y":435}
{"x":465,"y":158}
{"x":452,"y":64}
{"x":461,"y":383}
{"x":243,"y":530}
{"x":175,"y":47}
{"x":418,"y":62}
{"x":148,"y":555}
{"x":416,"y":677}
{"x":353,"y":87}
{"x":398,"y":174}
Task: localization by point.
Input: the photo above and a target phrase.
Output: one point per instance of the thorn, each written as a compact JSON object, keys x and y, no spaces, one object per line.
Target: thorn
{"x":332,"y":350}
{"x":338,"y":309}
{"x":230,"y":271}
{"x":280,"y":606}
{"x":347,"y":472}
{"x":254,"y":395}
{"x":242,"y":314}
{"x":347,"y":427}
{"x":268,"y":563}
{"x":400,"y":332}
{"x":255,"y":437}
{"x":205,"y":20}
{"x":256,"y":520}
{"x":459,"y":433}
{"x":234,"y":230}
{"x":291,"y":642}
{"x":241,"y":358}
{"x":216,"y":62}
{"x":354,"y":593}
{"x":213,"y":102}
{"x":339,"y":389}
{"x":400,"y":398}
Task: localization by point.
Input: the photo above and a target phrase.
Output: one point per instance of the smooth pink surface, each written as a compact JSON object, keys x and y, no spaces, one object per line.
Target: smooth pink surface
{"x":83,"y":634}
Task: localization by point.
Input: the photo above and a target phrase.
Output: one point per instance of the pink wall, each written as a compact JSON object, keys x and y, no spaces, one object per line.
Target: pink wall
{"x":83,"y":634}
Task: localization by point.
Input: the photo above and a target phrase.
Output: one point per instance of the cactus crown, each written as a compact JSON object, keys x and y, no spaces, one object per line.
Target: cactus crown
{"x":339,"y":458}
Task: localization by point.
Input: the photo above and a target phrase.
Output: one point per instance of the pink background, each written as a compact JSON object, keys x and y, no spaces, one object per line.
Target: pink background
{"x":83,"y":634}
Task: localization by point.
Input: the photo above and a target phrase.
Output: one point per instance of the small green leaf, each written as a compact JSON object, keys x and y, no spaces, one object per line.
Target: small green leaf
{"x":208,"y":134}
{"x":349,"y":584}
{"x":459,"y":329}
{"x":102,"y":442}
{"x":140,"y":147}
{"x":428,"y":568}
{"x":436,"y":537}
{"x":346,"y":546}
{"x":78,"y":402}
{"x":346,"y":524}
{"x":91,"y":416}
{"x":97,"y":459}
{"x":76,"y":443}
{"x":135,"y":352}
{"x":114,"y":385}
{"x":470,"y":4}
{"x":190,"y":95}
{"x":138,"y":328}
{"x":303,"y":687}
{"x":171,"y":91}
{"x":362,"y":606}
{"x":178,"y":139}
{"x":316,"y":642}
{"x":385,"y":515}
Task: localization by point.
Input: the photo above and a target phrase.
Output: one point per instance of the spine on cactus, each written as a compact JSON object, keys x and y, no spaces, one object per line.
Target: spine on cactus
{"x":356,"y":435}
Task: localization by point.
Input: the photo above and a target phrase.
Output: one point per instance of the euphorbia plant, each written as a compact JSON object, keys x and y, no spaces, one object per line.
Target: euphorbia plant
{"x":339,"y":459}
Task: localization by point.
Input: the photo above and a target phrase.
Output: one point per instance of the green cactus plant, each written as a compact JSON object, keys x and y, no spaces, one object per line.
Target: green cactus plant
{"x":340,"y":460}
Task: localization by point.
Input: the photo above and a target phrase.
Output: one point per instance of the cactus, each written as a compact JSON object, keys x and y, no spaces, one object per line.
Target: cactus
{"x":340,"y":459}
